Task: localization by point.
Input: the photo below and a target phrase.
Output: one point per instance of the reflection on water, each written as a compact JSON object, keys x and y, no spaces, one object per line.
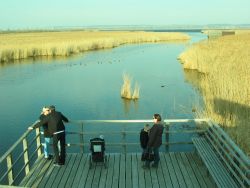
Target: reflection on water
{"x":128,"y":104}
{"x":88,"y":87}
{"x":194,"y":77}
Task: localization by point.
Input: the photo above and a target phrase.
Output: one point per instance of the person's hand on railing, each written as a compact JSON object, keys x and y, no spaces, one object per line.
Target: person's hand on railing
{"x":32,"y":127}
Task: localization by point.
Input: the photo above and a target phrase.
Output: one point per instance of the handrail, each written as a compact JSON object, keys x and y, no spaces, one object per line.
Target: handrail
{"x":137,"y":121}
{"x":132,"y":132}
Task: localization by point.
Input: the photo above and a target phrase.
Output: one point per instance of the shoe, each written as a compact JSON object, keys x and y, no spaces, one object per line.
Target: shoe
{"x":58,"y":164}
{"x":49,"y":157}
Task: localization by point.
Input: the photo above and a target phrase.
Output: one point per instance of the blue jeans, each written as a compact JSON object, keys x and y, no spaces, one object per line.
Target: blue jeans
{"x":46,"y":146}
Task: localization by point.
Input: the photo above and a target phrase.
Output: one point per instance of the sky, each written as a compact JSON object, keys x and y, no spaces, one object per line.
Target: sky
{"x":20,"y":14}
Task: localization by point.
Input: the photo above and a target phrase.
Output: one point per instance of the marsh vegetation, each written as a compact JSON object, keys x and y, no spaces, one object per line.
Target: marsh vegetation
{"x":126,"y":91}
{"x":224,"y":78}
{"x":14,"y":46}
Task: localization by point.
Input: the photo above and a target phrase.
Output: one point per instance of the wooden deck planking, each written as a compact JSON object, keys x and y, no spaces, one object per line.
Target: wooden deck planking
{"x":204,"y":173}
{"x":38,"y":164}
{"x":122,"y":176}
{"x":90,"y":175}
{"x":103,"y":177}
{"x":186,"y":177}
{"x":73,"y":172}
{"x":172,"y":175}
{"x":141,"y":175}
{"x":67,"y":171}
{"x":189,"y":170}
{"x":165,"y":171}
{"x":115,"y":182}
{"x":171,"y":159}
{"x":60,"y":172}
{"x":201,"y":172}
{"x":123,"y":170}
{"x":133,"y":176}
{"x":159,"y":173}
{"x":83,"y":172}
{"x":129,"y":169}
{"x":148,"y":182}
{"x":195,"y":168}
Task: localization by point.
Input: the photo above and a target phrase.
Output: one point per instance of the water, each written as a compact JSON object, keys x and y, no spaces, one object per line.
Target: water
{"x":87,"y":86}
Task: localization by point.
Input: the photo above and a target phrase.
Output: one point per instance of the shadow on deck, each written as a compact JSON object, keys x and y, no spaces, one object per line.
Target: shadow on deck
{"x":124,"y":170}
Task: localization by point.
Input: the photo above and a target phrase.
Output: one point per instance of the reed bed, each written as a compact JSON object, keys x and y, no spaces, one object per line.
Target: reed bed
{"x":14,"y":46}
{"x":126,"y":91}
{"x":224,"y":82}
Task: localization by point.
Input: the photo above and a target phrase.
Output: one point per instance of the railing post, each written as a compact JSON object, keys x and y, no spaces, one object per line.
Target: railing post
{"x":26,"y":155}
{"x":167,"y":125}
{"x":9,"y":166}
{"x":38,"y":142}
{"x":81,"y":139}
{"x":124,"y":140}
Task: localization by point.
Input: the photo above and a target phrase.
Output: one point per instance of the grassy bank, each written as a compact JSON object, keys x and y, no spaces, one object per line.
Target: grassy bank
{"x":14,"y":46}
{"x":224,"y":82}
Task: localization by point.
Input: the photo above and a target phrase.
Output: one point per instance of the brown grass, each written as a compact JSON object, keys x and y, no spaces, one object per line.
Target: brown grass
{"x":15,"y":46}
{"x":225,"y":86}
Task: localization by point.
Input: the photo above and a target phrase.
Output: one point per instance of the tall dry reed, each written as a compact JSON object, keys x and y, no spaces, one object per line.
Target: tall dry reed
{"x":15,"y":46}
{"x":126,"y":87}
{"x":126,"y":91}
{"x":225,"y":86}
{"x":136,"y":92}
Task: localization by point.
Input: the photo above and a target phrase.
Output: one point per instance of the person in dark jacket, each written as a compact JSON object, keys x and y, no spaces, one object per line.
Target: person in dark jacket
{"x":144,"y":141}
{"x":56,"y":128}
{"x":155,"y":140}
{"x":46,"y":134}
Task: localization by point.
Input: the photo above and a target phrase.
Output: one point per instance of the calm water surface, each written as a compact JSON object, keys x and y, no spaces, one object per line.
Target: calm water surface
{"x":88,"y":86}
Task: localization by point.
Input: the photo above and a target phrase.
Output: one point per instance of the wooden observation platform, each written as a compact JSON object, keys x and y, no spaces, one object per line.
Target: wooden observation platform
{"x":211,"y":160}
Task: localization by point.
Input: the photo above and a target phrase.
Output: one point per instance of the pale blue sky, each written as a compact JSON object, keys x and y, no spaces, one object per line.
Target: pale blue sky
{"x":50,"y":13}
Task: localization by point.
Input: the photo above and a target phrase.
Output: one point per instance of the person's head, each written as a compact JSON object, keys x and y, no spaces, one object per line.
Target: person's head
{"x":146,"y":127}
{"x":45,"y":110}
{"x":52,"y":108}
{"x":157,"y":117}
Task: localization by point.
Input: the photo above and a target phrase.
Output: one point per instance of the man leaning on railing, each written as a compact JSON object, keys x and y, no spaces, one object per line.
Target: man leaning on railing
{"x":56,"y":128}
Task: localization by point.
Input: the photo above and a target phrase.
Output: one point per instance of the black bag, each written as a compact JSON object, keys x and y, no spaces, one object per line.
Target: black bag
{"x":150,"y":156}
{"x":144,"y":156}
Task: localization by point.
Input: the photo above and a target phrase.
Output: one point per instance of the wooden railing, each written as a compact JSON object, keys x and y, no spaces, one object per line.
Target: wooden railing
{"x":124,"y":133}
{"x":234,"y":159}
{"x":23,"y":159}
{"x":14,"y":171}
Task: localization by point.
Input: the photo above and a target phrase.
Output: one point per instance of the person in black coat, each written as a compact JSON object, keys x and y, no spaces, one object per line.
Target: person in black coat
{"x":56,"y":128}
{"x":144,"y":141}
{"x":155,"y":140}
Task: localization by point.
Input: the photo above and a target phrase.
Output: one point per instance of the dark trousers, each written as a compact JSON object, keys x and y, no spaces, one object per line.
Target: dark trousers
{"x":59,"y":156}
{"x":156,"y":156}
